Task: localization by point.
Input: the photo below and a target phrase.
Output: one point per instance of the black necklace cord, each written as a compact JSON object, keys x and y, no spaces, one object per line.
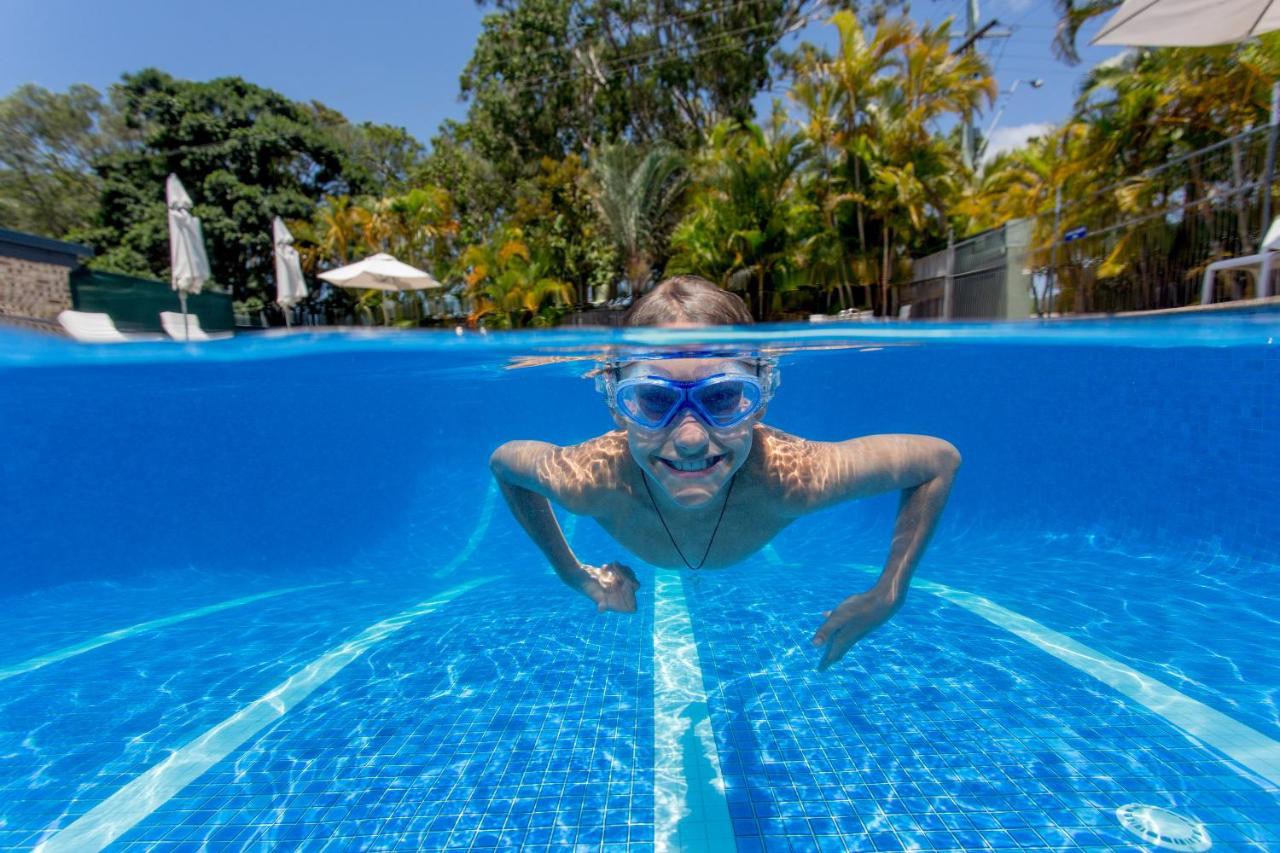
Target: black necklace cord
{"x":728,"y":493}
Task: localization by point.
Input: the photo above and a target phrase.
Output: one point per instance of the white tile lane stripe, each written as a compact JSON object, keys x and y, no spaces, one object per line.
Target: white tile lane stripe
{"x":113,"y":817}
{"x":690,"y":810}
{"x":482,"y":527}
{"x":1245,"y":745}
{"x":141,"y":628}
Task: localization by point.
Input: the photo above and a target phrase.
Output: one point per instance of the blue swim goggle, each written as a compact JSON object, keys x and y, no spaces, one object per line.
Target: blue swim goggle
{"x":722,"y":400}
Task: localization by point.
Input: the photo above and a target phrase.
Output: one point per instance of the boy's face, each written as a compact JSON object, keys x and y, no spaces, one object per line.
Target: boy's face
{"x":690,"y":459}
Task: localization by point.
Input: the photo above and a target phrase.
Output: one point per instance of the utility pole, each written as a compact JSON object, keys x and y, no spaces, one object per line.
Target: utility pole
{"x":970,"y":37}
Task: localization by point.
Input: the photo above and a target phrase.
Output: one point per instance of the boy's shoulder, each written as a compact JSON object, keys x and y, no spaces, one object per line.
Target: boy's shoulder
{"x":790,"y":468}
{"x":585,"y":476}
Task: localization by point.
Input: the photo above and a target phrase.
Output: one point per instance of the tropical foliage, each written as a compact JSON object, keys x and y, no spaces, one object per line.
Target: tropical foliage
{"x":1109,"y":164}
{"x":511,"y":285}
{"x":617,"y":140}
{"x":637,"y":193}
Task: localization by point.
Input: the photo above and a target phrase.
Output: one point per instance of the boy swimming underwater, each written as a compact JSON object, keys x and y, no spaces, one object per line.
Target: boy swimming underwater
{"x":693,"y":478}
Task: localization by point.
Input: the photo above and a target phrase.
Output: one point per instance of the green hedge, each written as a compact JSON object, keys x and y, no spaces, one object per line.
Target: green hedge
{"x":135,"y":303}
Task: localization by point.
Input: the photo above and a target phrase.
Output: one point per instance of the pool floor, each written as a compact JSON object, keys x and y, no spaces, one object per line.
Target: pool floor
{"x":470,"y":707}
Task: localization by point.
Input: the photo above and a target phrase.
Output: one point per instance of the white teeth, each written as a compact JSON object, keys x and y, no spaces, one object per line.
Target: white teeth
{"x":699,"y":465}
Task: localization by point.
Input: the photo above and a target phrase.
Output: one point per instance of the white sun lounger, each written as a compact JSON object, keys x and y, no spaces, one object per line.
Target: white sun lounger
{"x":1260,"y":263}
{"x":172,"y":322}
{"x":92,"y":328}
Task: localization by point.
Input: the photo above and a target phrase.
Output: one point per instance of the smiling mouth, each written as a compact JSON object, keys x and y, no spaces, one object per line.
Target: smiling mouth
{"x":692,"y":467}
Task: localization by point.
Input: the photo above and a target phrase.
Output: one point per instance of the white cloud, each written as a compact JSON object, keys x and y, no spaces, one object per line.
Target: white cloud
{"x":1008,"y":138}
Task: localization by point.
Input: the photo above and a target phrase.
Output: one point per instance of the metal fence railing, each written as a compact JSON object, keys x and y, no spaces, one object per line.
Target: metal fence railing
{"x":1144,"y":243}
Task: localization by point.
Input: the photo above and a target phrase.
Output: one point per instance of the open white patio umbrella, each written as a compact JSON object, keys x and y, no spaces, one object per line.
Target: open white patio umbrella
{"x":188,"y":264}
{"x":291,"y":287}
{"x":381,"y":272}
{"x":1188,"y":23}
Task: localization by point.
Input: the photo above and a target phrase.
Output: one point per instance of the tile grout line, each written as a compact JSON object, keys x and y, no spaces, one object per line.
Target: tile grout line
{"x":132,"y":803}
{"x":689,"y":801}
{"x":141,"y":628}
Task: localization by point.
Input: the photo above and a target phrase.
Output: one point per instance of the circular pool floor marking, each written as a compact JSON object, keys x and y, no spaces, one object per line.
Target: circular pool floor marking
{"x":1162,"y":828}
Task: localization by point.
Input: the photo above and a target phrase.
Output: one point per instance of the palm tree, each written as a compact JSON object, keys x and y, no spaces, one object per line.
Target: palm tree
{"x":511,"y":284}
{"x":336,"y":229}
{"x":863,"y":72}
{"x":636,"y":192}
{"x":422,"y":220}
{"x":748,"y":210}
{"x":1073,"y":15}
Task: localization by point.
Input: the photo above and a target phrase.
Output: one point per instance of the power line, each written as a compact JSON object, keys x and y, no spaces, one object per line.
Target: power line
{"x":577,"y":29}
{"x":636,"y":59}
{"x":732,"y":5}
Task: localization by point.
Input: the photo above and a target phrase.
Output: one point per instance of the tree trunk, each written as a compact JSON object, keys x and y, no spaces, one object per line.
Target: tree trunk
{"x":760,"y":291}
{"x":857,"y":186}
{"x":884,"y":274}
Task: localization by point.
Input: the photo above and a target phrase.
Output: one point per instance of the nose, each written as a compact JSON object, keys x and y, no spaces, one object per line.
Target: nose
{"x":689,"y":435}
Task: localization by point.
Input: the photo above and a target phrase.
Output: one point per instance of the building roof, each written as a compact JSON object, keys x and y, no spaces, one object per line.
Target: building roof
{"x":30,"y":247}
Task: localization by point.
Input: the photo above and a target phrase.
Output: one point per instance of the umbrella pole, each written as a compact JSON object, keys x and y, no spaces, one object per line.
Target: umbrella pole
{"x":186,"y":328}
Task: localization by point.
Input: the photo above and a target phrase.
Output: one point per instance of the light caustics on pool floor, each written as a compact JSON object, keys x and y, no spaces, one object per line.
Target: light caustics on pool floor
{"x":123,"y":810}
{"x":39,"y":661}
{"x":689,"y":803}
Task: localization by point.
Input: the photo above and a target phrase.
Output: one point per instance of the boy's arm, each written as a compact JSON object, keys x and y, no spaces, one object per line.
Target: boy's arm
{"x":529,"y":474}
{"x":923,"y":468}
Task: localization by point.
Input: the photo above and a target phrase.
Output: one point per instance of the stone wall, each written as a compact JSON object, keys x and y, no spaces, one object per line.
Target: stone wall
{"x":33,"y":289}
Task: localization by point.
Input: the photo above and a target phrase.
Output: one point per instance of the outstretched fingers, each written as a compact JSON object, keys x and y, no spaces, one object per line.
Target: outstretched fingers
{"x":825,"y":630}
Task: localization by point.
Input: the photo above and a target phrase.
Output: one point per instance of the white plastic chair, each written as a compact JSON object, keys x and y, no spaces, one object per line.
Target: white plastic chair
{"x":172,"y":323}
{"x":1260,"y":263}
{"x":91,"y":327}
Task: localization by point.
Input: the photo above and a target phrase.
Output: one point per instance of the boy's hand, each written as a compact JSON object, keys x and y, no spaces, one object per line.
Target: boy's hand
{"x":857,"y":616}
{"x":612,"y":587}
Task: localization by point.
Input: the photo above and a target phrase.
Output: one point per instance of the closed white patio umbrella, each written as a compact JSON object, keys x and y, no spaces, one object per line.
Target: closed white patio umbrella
{"x":1189,"y":23}
{"x":188,"y":264}
{"x":291,"y":287}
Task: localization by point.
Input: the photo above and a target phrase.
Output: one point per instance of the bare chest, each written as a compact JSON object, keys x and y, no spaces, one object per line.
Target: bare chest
{"x":676,"y":540}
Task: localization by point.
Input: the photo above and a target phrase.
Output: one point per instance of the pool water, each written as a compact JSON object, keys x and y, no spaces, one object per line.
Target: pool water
{"x":262,"y":593}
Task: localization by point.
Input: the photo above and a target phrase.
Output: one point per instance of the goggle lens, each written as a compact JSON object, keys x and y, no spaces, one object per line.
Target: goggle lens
{"x":720,"y":401}
{"x":727,"y":400}
{"x":649,"y":404}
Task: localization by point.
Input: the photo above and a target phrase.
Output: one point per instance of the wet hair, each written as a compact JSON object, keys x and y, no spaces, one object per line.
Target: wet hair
{"x":688,"y":299}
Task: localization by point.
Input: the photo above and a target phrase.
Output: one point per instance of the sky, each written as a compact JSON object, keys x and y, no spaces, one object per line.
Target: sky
{"x":398,"y":61}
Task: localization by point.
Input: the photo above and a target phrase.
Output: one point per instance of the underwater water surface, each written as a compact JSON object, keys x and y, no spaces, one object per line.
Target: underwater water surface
{"x":264,"y":593}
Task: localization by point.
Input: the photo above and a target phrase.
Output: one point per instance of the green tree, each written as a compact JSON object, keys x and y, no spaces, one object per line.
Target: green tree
{"x":1134,"y":115}
{"x":746,"y":210}
{"x":553,"y":77}
{"x":246,"y":154}
{"x":886,"y":177}
{"x":637,"y":192}
{"x":48,"y":144}
{"x":512,"y":286}
{"x":554,"y":213}
{"x":1072,"y":16}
